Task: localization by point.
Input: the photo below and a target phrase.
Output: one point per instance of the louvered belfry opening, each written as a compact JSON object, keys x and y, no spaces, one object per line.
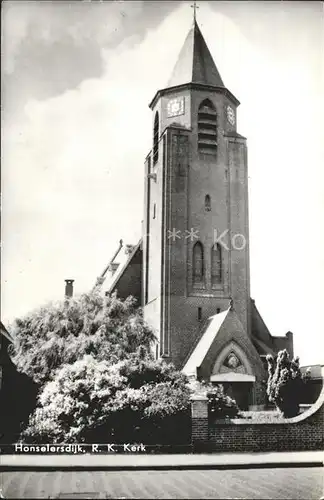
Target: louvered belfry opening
{"x":207,"y":128}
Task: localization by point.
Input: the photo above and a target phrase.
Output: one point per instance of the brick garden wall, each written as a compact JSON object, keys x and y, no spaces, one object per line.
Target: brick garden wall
{"x":304,"y":432}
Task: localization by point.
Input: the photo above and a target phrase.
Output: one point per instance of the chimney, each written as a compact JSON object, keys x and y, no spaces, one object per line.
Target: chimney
{"x":69,"y":288}
{"x":290,"y":344}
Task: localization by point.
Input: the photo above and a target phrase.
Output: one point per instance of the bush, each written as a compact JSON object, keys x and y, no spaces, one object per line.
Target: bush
{"x":97,"y":380}
{"x":285,"y":383}
{"x":220,"y":405}
{"x":93,"y":401}
{"x":60,"y":333}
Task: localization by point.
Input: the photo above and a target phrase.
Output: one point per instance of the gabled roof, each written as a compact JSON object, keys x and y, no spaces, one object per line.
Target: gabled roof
{"x":198,"y":355}
{"x":195,"y":63}
{"x":222,"y":333}
{"x":122,"y":268}
{"x":5,"y":332}
{"x":261,"y":347}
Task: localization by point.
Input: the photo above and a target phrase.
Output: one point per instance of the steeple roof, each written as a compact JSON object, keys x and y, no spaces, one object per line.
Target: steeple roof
{"x":195,"y":63}
{"x":195,"y":68}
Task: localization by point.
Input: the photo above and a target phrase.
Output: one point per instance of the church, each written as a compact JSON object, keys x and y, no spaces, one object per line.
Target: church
{"x":190,"y":270}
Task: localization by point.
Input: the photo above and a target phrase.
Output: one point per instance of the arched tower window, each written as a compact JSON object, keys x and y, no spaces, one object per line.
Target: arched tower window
{"x":216,"y":264}
{"x":207,"y":203}
{"x":198,"y":263}
{"x":156,"y":138}
{"x":207,"y":128}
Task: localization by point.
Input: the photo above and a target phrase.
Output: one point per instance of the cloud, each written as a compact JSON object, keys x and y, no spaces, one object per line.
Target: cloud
{"x":46,"y":23}
{"x":73,"y":155}
{"x":49,"y":47}
{"x":73,"y":171}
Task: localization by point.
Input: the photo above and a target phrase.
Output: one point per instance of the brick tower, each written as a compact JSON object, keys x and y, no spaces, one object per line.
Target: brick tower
{"x":195,"y":232}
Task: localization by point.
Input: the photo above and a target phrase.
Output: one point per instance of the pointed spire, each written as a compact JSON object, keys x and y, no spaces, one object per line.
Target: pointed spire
{"x":195,"y":63}
{"x":194,"y":7}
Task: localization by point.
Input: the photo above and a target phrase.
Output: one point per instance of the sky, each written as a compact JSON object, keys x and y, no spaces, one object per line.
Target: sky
{"x":77,"y":78}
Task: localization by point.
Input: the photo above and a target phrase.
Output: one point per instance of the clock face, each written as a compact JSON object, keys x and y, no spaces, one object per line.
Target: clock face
{"x":230,"y":115}
{"x":176,"y":106}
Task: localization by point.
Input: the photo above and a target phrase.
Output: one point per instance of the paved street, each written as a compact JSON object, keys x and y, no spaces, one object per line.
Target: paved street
{"x":283,"y":483}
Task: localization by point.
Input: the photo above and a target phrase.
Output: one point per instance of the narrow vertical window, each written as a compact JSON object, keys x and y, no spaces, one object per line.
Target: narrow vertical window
{"x":199,"y":313}
{"x":147,"y":233}
{"x":216,"y":264}
{"x":198,"y":263}
{"x":156,"y":138}
{"x":207,"y":128}
{"x":154,"y":210}
{"x":207,"y":203}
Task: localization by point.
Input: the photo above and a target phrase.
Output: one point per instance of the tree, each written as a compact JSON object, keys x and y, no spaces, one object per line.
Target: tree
{"x":95,"y":401}
{"x":285,"y":383}
{"x":63,"y":332}
{"x":98,"y":381}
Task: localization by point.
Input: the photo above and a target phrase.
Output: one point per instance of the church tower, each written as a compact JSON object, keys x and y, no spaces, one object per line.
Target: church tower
{"x":190,"y":270}
{"x":195,"y":228}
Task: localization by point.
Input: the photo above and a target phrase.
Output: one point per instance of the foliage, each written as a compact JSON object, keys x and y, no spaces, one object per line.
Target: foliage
{"x":63,"y":332}
{"x":285,"y":383}
{"x":220,"y":405}
{"x":98,"y":382}
{"x":94,"y":401}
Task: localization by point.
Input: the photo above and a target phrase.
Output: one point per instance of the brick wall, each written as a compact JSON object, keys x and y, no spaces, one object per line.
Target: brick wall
{"x":199,"y":423}
{"x":304,"y":432}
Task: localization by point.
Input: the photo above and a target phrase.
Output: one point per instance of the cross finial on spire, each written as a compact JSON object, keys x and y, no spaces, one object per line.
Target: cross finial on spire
{"x":194,"y":7}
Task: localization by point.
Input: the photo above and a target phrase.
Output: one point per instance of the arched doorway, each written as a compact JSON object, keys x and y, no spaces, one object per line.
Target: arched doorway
{"x":233,"y":370}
